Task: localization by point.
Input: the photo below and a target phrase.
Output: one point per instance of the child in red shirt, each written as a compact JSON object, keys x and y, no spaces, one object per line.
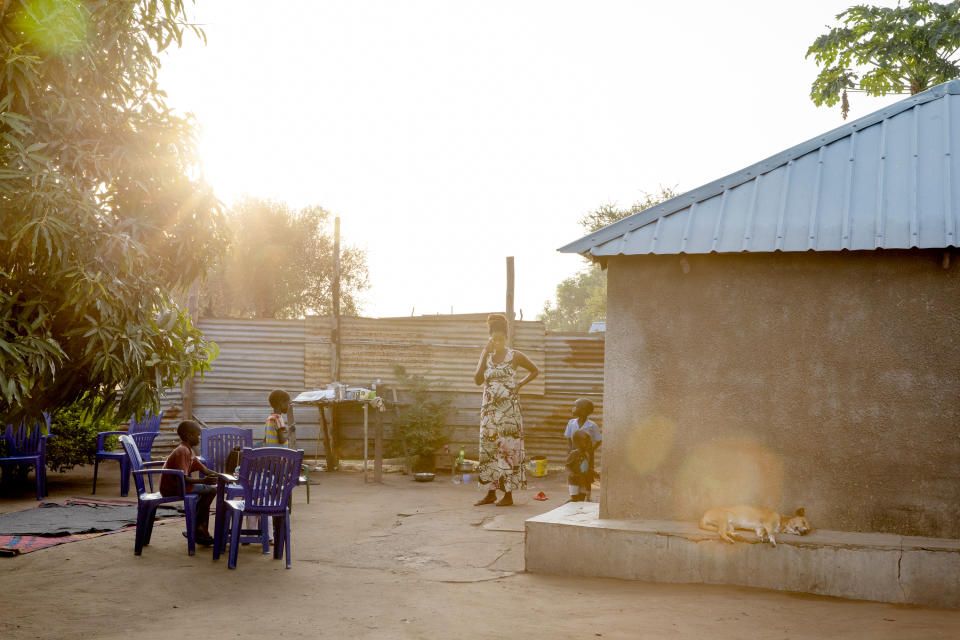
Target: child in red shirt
{"x":184,"y":459}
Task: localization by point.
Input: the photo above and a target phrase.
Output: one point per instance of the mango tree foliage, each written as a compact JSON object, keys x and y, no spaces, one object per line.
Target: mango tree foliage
{"x":103,"y":225}
{"x":882,"y":50}
{"x":582,"y":298}
{"x":281,"y":265}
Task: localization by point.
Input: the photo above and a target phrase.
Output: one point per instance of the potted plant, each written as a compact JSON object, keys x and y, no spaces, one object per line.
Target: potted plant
{"x":421,"y":424}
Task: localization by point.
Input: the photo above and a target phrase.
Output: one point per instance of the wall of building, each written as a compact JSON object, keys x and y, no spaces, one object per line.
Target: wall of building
{"x":829,"y":381}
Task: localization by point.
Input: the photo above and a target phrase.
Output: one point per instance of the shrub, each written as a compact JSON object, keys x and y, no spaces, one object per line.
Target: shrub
{"x":422,"y":425}
{"x":75,"y":440}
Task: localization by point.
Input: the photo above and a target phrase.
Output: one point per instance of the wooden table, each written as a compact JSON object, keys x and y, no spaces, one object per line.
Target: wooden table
{"x":223,"y":480}
{"x":329,"y":433}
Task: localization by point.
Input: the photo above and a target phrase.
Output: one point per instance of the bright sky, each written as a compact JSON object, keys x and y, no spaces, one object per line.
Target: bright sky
{"x":449,"y":134}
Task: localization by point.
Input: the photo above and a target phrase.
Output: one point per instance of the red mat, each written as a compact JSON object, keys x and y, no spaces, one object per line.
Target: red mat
{"x":18,"y":545}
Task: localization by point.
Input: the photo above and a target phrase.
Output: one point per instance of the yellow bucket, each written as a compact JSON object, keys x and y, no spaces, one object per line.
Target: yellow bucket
{"x":538,"y":466}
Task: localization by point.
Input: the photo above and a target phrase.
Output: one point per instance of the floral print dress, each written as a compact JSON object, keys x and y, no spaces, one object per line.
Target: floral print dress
{"x":501,"y":428}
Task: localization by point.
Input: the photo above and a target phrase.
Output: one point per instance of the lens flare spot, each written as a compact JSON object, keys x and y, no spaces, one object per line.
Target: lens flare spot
{"x":649,"y":443}
{"x":727,"y":472}
{"x":53,"y":26}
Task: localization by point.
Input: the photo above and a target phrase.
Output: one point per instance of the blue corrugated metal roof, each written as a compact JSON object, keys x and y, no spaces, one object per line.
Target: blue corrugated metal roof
{"x":886,"y":181}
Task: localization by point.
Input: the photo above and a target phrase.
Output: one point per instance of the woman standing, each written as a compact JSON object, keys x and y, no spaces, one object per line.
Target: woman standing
{"x":501,"y":425}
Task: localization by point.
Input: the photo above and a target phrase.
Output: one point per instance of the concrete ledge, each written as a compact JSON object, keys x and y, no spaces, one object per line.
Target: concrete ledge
{"x":572,"y":540}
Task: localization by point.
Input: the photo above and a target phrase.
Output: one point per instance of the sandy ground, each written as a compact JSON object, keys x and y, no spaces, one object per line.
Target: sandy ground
{"x":397,"y":560}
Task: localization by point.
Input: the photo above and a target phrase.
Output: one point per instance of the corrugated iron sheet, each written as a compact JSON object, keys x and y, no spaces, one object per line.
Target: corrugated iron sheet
{"x":443,"y":347}
{"x":889,"y":180}
{"x":575,"y":365}
{"x":257,"y":356}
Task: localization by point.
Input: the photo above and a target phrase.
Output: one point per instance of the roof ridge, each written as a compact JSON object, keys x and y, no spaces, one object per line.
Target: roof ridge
{"x":716,"y":187}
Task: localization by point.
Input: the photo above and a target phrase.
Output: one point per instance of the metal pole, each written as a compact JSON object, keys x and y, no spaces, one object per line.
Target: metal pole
{"x":366,"y":411}
{"x":377,"y":446}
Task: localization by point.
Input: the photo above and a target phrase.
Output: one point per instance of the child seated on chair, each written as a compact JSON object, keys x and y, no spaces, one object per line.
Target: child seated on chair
{"x":184,"y":459}
{"x":275,"y":432}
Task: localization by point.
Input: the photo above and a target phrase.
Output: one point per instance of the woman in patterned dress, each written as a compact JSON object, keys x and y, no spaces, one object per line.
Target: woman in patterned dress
{"x":501,"y":425}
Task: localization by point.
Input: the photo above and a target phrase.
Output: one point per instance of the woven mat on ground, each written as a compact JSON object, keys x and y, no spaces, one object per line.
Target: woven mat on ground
{"x":52,"y":523}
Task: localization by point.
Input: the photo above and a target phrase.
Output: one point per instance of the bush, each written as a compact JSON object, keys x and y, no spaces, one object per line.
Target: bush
{"x":75,"y":440}
{"x":422,"y":425}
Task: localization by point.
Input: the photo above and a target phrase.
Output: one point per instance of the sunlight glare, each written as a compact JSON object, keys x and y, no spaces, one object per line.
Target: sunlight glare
{"x":724,"y":473}
{"x":649,"y":442}
{"x":53,"y":26}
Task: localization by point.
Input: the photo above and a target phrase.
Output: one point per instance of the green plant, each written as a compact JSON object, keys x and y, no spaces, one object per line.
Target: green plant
{"x":75,"y":432}
{"x":104,"y":221}
{"x":881,"y":50}
{"x":421,"y":425}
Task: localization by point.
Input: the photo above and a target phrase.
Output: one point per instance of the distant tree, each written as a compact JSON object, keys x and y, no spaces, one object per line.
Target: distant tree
{"x":881,"y":50}
{"x":102,"y":224}
{"x":281,"y":265}
{"x":582,"y":298}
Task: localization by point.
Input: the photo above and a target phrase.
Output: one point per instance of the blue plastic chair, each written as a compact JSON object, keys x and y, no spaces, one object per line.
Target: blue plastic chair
{"x":147,"y":502}
{"x":143,"y":433}
{"x":267,"y":477}
{"x":26,"y":446}
{"x":216,"y":443}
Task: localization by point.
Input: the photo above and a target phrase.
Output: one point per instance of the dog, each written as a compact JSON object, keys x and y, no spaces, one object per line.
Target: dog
{"x":765,"y":522}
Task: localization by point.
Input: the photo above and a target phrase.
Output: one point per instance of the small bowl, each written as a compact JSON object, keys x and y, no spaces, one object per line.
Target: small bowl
{"x":424,"y":477}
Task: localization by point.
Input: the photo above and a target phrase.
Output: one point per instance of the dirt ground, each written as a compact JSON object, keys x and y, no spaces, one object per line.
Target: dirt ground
{"x":397,"y":560}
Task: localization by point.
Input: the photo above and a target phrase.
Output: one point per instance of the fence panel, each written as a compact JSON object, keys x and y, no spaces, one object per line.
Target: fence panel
{"x":257,"y":356}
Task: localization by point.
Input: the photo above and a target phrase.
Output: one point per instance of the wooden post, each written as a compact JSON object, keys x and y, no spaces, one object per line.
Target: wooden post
{"x":291,"y":428}
{"x":193,"y":304}
{"x":366,"y":423}
{"x":327,"y":439}
{"x":335,"y":293}
{"x":377,"y":446}
{"x":510,"y":301}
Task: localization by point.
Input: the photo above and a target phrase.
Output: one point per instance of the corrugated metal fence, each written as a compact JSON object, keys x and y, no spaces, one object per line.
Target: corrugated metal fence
{"x":257,"y":356}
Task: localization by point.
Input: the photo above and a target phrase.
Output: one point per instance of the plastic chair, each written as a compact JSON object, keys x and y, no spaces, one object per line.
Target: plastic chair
{"x":143,"y":432}
{"x":26,"y":447}
{"x":216,"y":443}
{"x":267,"y":477}
{"x":147,"y":503}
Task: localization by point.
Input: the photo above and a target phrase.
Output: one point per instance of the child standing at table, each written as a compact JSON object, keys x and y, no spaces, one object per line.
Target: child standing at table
{"x":275,"y":431}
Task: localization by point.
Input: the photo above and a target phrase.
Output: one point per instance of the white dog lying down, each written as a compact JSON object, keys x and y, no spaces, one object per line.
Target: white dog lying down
{"x":765,"y":522}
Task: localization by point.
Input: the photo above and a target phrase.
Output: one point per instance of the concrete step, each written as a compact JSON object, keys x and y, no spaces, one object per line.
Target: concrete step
{"x":573,"y":540}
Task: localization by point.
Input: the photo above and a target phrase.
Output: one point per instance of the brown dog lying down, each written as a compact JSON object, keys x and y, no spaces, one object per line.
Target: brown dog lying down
{"x":765,"y":522}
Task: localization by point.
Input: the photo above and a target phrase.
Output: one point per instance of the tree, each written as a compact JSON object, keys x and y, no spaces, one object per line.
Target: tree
{"x":281,"y":265}
{"x":582,"y":298}
{"x":102,"y":223}
{"x":881,"y":50}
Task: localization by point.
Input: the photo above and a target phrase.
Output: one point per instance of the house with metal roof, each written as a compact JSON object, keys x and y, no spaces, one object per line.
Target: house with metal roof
{"x":885,"y":181}
{"x":787,"y":336}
